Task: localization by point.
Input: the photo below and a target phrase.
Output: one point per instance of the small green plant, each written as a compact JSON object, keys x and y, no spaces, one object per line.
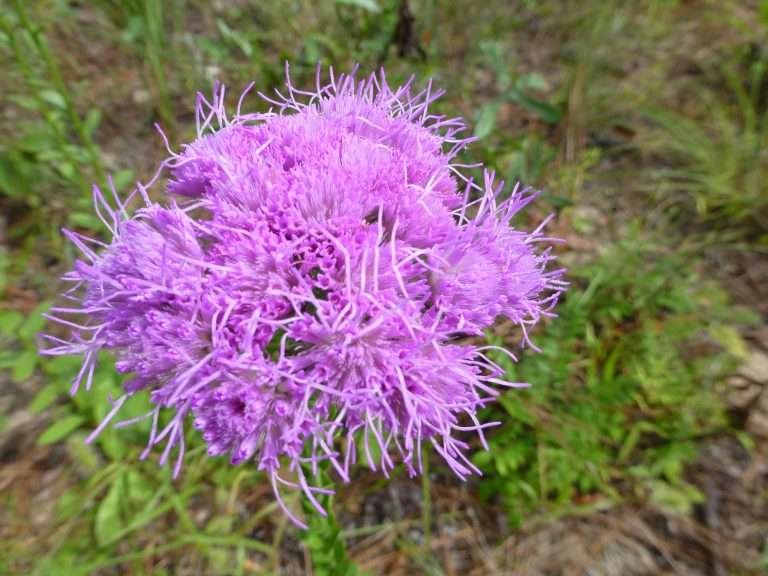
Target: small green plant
{"x":518,"y":157}
{"x":625,"y":385}
{"x":18,"y":346}
{"x":323,"y":538}
{"x":125,"y":500}
{"x":50,"y":96}
{"x":144,"y":24}
{"x":520,"y":89}
{"x":48,"y":165}
{"x":372,"y":25}
{"x":718,"y":163}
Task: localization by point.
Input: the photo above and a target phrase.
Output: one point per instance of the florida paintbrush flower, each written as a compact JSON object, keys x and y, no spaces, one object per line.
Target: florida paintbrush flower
{"x":307,"y":284}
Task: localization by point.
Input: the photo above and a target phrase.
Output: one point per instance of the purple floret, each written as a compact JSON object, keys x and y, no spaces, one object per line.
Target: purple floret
{"x":308,"y":284}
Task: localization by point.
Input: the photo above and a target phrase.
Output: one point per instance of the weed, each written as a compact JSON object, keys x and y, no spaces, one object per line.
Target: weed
{"x":50,"y":93}
{"x":624,"y":386}
{"x":718,"y":167}
{"x":144,"y":24}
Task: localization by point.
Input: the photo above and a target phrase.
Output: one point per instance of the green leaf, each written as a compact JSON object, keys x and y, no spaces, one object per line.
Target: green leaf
{"x":81,"y":453}
{"x":532,"y":81}
{"x":486,"y":119}
{"x":53,"y":98}
{"x":24,"y":101}
{"x":370,"y":5}
{"x":69,"y":504}
{"x":34,"y":323}
{"x":324,"y":538}
{"x":7,"y":359}
{"x":25,"y":365}
{"x":544,"y":110}
{"x":138,"y":489}
{"x":237,"y":38}
{"x":9,"y":184}
{"x":109,"y":523}
{"x":730,"y":339}
{"x":61,"y":367}
{"x":85,"y":220}
{"x":67,"y":170}
{"x":36,"y":140}
{"x":122,"y":179}
{"x":60,"y":429}
{"x":675,"y":497}
{"x":10,"y":320}
{"x":92,"y":121}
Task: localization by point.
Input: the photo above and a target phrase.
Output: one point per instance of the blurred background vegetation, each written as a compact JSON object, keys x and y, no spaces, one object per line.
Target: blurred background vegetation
{"x":641,"y":446}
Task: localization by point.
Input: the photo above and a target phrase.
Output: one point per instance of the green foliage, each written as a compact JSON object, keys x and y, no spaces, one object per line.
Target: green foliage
{"x":49,"y":95}
{"x":372,"y":27}
{"x":18,"y":346}
{"x":39,"y":149}
{"x":719,"y":166}
{"x":518,"y":89}
{"x":523,"y":158}
{"x":144,"y":23}
{"x":122,"y":497}
{"x":324,"y":538}
{"x":49,"y":163}
{"x":125,"y":498}
{"x":624,"y":386}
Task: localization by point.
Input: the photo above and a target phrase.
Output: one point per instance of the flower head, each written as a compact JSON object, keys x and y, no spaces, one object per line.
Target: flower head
{"x":306,"y":284}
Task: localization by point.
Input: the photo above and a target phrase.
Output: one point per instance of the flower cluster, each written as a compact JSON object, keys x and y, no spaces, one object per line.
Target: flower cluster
{"x":309,"y":284}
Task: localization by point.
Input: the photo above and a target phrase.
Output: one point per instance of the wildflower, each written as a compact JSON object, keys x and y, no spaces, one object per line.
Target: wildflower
{"x":307,"y":282}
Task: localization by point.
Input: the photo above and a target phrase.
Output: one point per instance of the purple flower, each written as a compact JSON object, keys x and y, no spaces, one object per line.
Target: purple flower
{"x":307,"y":284}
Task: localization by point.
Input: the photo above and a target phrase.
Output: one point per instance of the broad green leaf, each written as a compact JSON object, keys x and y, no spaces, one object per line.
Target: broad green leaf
{"x":24,"y":365}
{"x":546,"y":111}
{"x":122,"y":179}
{"x":36,"y":140}
{"x":532,"y":81}
{"x":10,"y":320}
{"x":139,"y":491}
{"x":60,"y":429}
{"x":109,"y":523}
{"x":67,"y":169}
{"x":61,"y":367}
{"x":34,"y":322}
{"x":85,"y":220}
{"x":7,"y":359}
{"x":69,"y":504}
{"x":486,"y":119}
{"x":53,"y":98}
